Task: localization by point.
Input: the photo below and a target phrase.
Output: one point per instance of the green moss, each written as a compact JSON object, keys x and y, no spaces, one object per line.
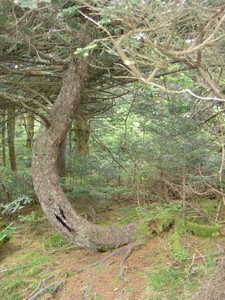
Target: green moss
{"x":203,"y":230}
{"x":163,"y":224}
{"x":154,"y":227}
{"x":143,"y":229}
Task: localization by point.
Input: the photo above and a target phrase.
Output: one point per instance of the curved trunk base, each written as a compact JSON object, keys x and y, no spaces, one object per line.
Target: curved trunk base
{"x":53,"y":200}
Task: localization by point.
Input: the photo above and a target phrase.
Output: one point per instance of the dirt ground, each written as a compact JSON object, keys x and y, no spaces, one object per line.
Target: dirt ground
{"x":29,"y":270}
{"x":85,"y":275}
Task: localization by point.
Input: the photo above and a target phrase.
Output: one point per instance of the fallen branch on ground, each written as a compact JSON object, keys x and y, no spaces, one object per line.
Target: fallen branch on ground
{"x":15,"y":268}
{"x":42,"y":288}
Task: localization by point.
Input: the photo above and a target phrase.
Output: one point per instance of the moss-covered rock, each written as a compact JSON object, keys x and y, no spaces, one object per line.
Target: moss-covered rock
{"x":155,"y":227}
{"x":203,"y":230}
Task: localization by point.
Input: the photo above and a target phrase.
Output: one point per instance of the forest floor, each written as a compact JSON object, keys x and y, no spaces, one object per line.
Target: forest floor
{"x":37,"y":263}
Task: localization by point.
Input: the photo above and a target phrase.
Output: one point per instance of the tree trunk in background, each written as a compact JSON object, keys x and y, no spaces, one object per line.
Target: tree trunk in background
{"x":53,"y":200}
{"x":82,"y":133}
{"x":11,"y":123}
{"x":29,"y":124}
{"x":62,"y":158}
{"x":3,"y":138}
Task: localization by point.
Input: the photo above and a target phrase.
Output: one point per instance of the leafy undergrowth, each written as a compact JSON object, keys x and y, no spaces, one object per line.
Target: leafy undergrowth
{"x":38,"y":263}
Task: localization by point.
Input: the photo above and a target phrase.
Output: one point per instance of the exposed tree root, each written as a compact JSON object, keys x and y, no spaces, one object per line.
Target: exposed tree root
{"x":127,"y":249}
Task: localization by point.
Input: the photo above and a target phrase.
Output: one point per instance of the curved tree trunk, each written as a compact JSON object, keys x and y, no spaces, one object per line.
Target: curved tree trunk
{"x":45,"y":173}
{"x":62,"y":158}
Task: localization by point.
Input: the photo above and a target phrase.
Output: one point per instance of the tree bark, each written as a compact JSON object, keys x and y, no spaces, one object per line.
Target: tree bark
{"x":82,"y":133}
{"x":29,"y":123}
{"x":62,"y":158}
{"x":45,"y":173}
{"x":11,"y":123}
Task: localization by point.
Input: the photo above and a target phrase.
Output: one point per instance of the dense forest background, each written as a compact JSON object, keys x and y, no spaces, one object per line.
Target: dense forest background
{"x":145,"y":145}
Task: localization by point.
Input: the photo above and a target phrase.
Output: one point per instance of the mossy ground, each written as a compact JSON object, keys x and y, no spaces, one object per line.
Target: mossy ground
{"x":170,"y":265}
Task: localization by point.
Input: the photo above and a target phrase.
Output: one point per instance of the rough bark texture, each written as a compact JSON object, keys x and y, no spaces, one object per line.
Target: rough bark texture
{"x":62,"y":158}
{"x":11,"y":123}
{"x":82,"y":133}
{"x":29,"y":123}
{"x":45,"y":173}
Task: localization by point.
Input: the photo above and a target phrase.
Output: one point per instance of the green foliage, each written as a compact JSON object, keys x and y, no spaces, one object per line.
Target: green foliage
{"x":14,"y":206}
{"x":12,"y":284}
{"x":33,"y":271}
{"x":37,"y":259}
{"x":55,"y":240}
{"x":13,"y":185}
{"x":165,"y":277}
{"x":176,"y":246}
{"x":6,"y":232}
{"x":178,"y":281}
{"x":143,"y":230}
{"x":31,"y":4}
{"x":156,"y":219}
{"x":68,"y":12}
{"x":10,"y":287}
{"x":154,"y":211}
{"x":171,"y":283}
{"x":33,"y":220}
{"x":86,"y":51}
{"x":208,"y":209}
{"x":26,"y":3}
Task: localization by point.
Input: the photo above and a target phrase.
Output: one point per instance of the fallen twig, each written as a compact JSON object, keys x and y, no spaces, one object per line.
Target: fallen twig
{"x":40,"y":284}
{"x":87,"y":292}
{"x":15,"y":268}
{"x":42,"y":288}
{"x":205,"y":257}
